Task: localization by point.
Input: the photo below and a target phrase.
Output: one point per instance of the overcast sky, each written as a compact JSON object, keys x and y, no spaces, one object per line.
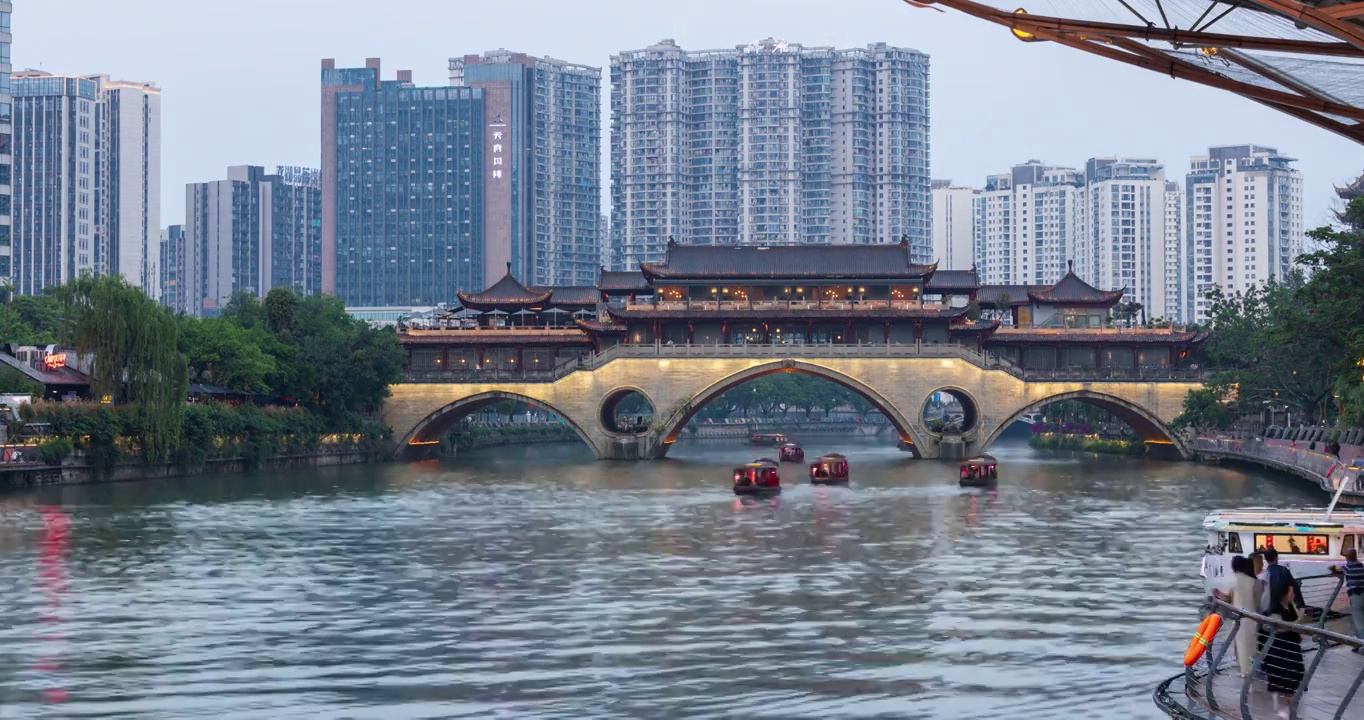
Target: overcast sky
{"x":240,"y":79}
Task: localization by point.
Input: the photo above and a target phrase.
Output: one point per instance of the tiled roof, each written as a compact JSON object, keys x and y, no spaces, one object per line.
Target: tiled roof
{"x":959,"y":280}
{"x":507,"y":295}
{"x":962,"y":325}
{"x":835,"y":316}
{"x":787,"y":262}
{"x":1112,"y":336}
{"x":988,"y":295}
{"x":1070,"y":289}
{"x":571,"y":294}
{"x":601,"y":327}
{"x":615,"y":281}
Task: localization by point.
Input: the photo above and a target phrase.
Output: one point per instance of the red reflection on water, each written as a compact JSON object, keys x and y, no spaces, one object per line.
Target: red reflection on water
{"x":52,"y":579}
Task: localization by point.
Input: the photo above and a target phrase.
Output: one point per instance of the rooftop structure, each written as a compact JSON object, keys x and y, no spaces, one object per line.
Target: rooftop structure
{"x":1301,"y":57}
{"x":789,"y":295}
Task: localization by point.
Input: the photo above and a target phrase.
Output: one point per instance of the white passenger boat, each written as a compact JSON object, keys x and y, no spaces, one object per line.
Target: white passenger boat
{"x":1309,"y":542}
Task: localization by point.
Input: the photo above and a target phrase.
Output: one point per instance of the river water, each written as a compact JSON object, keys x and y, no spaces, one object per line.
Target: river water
{"x":537,"y":583}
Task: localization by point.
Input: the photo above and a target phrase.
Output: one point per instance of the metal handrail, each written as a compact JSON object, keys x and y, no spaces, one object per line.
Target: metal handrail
{"x":1214,"y":667}
{"x":1327,"y":470}
{"x":984,"y":360}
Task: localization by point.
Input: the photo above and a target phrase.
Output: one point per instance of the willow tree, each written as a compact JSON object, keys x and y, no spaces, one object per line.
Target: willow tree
{"x":133,"y":345}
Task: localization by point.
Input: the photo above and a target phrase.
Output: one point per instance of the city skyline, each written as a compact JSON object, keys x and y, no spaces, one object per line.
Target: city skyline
{"x":211,"y":121}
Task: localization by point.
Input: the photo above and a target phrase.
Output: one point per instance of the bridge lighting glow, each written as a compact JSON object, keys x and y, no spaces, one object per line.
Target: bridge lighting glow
{"x":415,"y":441}
{"x":663,"y":364}
{"x":947,"y":363}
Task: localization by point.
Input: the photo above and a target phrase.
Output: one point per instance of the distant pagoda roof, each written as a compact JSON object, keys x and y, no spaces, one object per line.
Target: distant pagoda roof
{"x":1069,"y":336}
{"x":570,"y":295}
{"x":507,"y":295}
{"x":1001,"y":296}
{"x":595,"y":326}
{"x":787,"y":262}
{"x":950,"y":281}
{"x":1071,"y":290}
{"x":627,"y":281}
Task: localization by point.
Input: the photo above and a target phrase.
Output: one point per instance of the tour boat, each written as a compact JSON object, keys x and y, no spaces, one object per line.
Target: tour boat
{"x":980,"y":471}
{"x":757,"y":478}
{"x":1310,"y":542}
{"x":767,"y":439}
{"x":831,"y":469}
{"x":791,"y":452}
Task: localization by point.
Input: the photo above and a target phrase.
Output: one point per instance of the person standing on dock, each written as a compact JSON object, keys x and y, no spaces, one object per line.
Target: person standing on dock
{"x":1277,"y":576}
{"x":1245,"y":595}
{"x":1283,"y":661}
{"x":1354,"y":587}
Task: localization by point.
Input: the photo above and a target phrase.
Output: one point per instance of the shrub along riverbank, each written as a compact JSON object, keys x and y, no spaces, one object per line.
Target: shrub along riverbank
{"x":111,"y":435}
{"x":1083,"y":443}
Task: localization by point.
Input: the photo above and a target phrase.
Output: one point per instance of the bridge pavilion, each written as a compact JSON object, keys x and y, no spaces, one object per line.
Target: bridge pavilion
{"x":792,"y":295}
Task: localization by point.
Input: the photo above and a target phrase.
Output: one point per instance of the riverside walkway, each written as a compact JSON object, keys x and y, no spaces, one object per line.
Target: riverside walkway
{"x":1327,"y":471}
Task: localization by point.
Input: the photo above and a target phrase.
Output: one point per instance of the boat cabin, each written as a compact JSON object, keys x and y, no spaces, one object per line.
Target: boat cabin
{"x":756,"y":477}
{"x":767,"y":439}
{"x":1309,"y":543}
{"x":790,"y":452}
{"x":831,"y":468}
{"x":984,"y":466}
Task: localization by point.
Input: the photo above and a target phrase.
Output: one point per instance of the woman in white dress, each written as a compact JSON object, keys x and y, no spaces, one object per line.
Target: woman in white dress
{"x":1245,"y":595}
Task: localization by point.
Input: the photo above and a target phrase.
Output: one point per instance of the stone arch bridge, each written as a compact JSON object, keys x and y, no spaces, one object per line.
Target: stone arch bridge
{"x":680,"y":380}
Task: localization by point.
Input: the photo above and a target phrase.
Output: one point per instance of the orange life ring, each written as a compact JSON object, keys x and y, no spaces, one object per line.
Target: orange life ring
{"x":1202,"y":639}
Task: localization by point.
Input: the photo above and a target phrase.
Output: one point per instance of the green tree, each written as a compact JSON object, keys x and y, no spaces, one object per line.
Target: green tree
{"x":1265,"y":348}
{"x":1204,"y":411}
{"x":221,"y":352}
{"x":281,"y":311}
{"x":136,"y":359}
{"x":43,"y":313}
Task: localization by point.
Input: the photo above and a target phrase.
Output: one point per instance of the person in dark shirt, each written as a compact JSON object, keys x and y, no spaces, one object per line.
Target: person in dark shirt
{"x":1277,"y":576}
{"x":1354,"y":588}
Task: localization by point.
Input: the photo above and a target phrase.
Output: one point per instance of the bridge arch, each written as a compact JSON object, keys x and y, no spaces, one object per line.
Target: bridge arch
{"x":678,"y":419}
{"x":1151,"y":428}
{"x":606,"y":409}
{"x":970,"y":406}
{"x":430,"y":429}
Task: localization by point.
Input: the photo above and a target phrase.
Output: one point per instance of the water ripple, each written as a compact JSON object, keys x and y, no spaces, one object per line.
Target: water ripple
{"x":565,"y":588}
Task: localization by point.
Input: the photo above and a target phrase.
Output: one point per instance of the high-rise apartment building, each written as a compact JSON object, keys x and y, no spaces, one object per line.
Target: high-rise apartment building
{"x":1123,"y":241}
{"x":88,"y":150}
{"x":403,"y":176}
{"x":54,"y":221}
{"x":769,"y":143}
{"x":249,"y":233}
{"x":1244,"y":220}
{"x":295,"y":225}
{"x":128,"y":173}
{"x":173,"y":267}
{"x":1176,"y":245}
{"x":954,"y":226}
{"x":542,"y":193}
{"x":1029,"y":221}
{"x":6,"y":141}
